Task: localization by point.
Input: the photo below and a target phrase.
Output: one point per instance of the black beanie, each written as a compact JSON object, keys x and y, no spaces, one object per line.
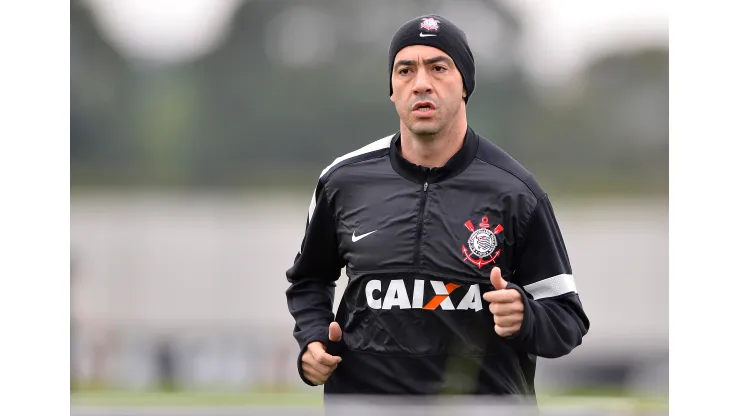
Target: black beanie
{"x":436,"y":31}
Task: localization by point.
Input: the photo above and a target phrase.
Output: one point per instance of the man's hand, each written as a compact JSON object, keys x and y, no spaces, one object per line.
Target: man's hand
{"x":317,"y":365}
{"x":506,"y":306}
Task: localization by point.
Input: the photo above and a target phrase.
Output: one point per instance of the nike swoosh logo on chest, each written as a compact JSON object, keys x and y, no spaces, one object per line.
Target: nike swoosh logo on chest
{"x":361,"y":236}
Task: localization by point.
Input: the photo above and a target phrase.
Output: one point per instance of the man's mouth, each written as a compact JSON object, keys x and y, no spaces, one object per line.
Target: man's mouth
{"x":423,"y":106}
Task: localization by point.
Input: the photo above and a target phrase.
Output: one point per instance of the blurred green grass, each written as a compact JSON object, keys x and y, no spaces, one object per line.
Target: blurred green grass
{"x":595,"y":399}
{"x":194,"y":398}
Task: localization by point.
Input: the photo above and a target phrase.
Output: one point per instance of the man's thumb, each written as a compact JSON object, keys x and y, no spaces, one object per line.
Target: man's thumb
{"x":335,"y":332}
{"x":496,"y":280}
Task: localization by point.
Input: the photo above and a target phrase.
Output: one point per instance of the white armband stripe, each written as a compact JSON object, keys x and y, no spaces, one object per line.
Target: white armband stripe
{"x":552,"y":286}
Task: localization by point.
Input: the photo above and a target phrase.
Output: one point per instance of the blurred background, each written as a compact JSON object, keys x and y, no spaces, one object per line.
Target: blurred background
{"x":199,"y":128}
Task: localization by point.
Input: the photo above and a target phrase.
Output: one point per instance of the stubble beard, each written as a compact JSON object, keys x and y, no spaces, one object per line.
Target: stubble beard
{"x":425,"y":131}
{"x":430,"y":129}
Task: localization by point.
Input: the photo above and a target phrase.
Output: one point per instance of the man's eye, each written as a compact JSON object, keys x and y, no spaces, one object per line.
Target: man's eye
{"x":439,"y":68}
{"x":404,"y":71}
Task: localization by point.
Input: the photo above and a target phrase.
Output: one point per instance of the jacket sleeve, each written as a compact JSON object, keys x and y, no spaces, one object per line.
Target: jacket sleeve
{"x":313,"y":275}
{"x":554,"y":320}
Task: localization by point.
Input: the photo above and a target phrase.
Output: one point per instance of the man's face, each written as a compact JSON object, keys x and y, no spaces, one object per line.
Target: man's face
{"x":427,"y":89}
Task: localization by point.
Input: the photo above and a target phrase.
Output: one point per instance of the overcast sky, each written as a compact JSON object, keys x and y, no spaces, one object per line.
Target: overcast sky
{"x":561,"y":33}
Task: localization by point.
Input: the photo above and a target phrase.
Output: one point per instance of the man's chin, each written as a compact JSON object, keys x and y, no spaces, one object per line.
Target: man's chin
{"x":424,"y":128}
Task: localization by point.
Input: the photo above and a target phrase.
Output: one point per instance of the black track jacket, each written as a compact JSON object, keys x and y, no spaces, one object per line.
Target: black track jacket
{"x":418,"y":245}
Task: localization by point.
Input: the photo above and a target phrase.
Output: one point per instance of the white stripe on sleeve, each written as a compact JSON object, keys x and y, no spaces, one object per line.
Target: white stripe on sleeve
{"x":552,"y":286}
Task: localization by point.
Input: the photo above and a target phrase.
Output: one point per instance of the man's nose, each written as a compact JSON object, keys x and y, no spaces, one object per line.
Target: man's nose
{"x":422,"y":84}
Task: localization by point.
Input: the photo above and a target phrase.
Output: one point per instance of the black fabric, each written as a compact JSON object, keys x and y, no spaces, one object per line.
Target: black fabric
{"x":320,"y":267}
{"x":420,"y":174}
{"x":413,"y":316}
{"x":436,"y":31}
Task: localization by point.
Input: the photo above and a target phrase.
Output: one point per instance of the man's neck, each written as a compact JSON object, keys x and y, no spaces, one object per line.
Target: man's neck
{"x":432,"y":151}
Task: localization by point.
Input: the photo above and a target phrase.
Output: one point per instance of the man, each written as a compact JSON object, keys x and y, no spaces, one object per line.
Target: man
{"x":458,"y":274}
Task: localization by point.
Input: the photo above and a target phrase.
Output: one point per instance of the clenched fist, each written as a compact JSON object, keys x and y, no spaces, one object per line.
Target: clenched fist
{"x":316,"y":363}
{"x":506,"y":305}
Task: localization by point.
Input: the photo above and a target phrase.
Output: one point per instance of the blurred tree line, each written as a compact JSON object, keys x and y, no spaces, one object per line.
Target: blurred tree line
{"x":295,"y":84}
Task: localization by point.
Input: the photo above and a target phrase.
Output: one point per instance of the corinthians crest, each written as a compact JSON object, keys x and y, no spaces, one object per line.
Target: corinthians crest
{"x":430,"y":23}
{"x":482,"y":243}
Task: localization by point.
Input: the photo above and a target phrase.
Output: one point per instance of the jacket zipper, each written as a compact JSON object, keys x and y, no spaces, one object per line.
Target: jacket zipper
{"x":419,"y":224}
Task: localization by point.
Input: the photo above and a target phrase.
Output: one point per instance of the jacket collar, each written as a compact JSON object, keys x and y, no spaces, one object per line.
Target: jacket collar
{"x":420,"y":174}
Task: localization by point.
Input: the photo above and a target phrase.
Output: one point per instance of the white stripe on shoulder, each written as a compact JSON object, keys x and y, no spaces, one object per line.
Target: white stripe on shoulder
{"x":552,"y":286}
{"x":383,"y":143}
{"x":312,"y":205}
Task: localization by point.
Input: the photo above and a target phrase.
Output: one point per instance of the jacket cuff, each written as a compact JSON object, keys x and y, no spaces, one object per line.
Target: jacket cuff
{"x":525,"y":332}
